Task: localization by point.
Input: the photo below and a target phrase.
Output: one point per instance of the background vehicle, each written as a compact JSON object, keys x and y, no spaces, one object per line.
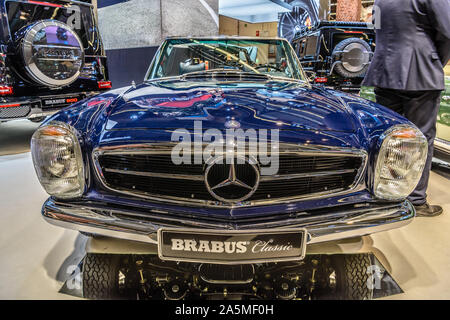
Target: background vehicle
{"x":304,"y":13}
{"x":337,"y":54}
{"x":442,"y":142}
{"x":51,"y":56}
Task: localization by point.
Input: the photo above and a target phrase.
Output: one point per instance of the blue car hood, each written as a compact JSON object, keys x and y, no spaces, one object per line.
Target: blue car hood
{"x":274,"y":104}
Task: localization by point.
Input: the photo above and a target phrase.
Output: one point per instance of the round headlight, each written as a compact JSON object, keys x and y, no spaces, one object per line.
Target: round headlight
{"x":58,"y":160}
{"x":400,"y":162}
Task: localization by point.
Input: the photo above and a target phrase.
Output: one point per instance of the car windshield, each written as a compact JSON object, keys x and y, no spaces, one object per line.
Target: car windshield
{"x":270,"y":58}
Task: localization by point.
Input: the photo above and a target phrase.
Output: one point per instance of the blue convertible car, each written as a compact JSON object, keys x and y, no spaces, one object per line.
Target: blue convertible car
{"x":222,"y":173}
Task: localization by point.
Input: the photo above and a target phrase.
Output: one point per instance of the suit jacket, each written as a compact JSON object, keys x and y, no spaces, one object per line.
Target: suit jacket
{"x":412,"y":45}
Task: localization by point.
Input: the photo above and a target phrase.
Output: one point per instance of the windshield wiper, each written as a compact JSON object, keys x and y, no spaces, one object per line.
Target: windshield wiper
{"x":213,"y":73}
{"x":224,"y":73}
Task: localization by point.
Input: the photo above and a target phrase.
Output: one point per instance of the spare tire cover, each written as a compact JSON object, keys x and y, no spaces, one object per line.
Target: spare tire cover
{"x":355,"y":57}
{"x":52,"y":52}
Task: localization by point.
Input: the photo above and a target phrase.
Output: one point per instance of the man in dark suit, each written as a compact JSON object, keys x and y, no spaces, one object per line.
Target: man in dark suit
{"x":412,"y":47}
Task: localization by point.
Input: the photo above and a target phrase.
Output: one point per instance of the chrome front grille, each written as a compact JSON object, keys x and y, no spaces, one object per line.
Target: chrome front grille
{"x":151,"y":174}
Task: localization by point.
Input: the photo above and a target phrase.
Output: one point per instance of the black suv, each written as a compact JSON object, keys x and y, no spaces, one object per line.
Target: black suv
{"x":51,"y":56}
{"x":336,"y":53}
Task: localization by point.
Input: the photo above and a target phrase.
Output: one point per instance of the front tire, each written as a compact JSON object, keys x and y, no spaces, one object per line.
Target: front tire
{"x":353,"y":276}
{"x":101,"y":276}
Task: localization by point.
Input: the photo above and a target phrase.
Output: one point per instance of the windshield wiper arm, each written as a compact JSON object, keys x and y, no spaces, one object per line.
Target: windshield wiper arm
{"x":228,"y":72}
{"x":224,"y":72}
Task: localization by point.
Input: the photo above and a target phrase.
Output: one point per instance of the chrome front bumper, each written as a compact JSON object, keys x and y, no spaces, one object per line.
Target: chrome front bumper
{"x":124,"y":224}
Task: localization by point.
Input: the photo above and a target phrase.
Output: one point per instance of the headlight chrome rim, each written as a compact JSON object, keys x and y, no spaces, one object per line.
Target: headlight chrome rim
{"x":79,"y":159}
{"x":383,"y":140}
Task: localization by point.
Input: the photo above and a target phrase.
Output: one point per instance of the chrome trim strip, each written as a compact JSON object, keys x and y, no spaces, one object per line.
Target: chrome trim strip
{"x":441,"y":144}
{"x":336,"y":225}
{"x":165,"y":148}
{"x":306,"y":175}
{"x":157,"y":175}
{"x":54,"y":46}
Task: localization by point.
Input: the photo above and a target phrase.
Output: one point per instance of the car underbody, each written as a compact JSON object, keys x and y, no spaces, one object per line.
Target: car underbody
{"x":146,"y":277}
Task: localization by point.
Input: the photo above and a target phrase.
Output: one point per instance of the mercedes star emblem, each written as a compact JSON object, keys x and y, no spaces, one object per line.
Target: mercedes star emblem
{"x":233,"y":182}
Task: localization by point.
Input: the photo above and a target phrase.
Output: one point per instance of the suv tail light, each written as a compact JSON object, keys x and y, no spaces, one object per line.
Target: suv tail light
{"x":104,"y":85}
{"x":6,"y":90}
{"x":10,"y":105}
{"x":321,"y":80}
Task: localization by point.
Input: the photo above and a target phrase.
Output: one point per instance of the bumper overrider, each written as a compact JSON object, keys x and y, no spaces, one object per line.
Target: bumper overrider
{"x":319,"y":225}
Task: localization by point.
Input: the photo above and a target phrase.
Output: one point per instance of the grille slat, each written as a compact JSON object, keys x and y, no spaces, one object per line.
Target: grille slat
{"x":299,"y":175}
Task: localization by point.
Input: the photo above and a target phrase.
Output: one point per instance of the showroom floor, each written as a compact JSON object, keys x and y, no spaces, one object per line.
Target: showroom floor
{"x":37,"y":258}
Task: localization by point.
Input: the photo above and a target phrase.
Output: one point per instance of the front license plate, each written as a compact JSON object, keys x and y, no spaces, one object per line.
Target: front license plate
{"x":231,"y":247}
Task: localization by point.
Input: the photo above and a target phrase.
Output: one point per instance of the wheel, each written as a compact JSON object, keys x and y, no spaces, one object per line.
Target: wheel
{"x":355,"y":56}
{"x":303,"y":15}
{"x":101,"y":276}
{"x":353,"y":276}
{"x":37,"y":120}
{"x":52,"y":53}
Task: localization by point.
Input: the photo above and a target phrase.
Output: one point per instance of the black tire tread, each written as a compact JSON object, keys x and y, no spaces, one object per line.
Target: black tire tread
{"x":339,"y":68}
{"x":354,"y":277}
{"x":100,"y":276}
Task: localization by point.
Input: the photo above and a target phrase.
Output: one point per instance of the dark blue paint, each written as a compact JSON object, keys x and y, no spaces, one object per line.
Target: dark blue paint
{"x":148,"y":113}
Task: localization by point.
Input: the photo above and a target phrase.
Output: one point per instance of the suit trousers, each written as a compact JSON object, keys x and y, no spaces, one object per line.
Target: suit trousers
{"x":421,"y":108}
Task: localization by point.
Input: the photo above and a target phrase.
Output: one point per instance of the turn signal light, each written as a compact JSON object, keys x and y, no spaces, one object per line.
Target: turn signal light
{"x":104,"y":85}
{"x":53,"y":131}
{"x":4,"y":90}
{"x":405,"y":133}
